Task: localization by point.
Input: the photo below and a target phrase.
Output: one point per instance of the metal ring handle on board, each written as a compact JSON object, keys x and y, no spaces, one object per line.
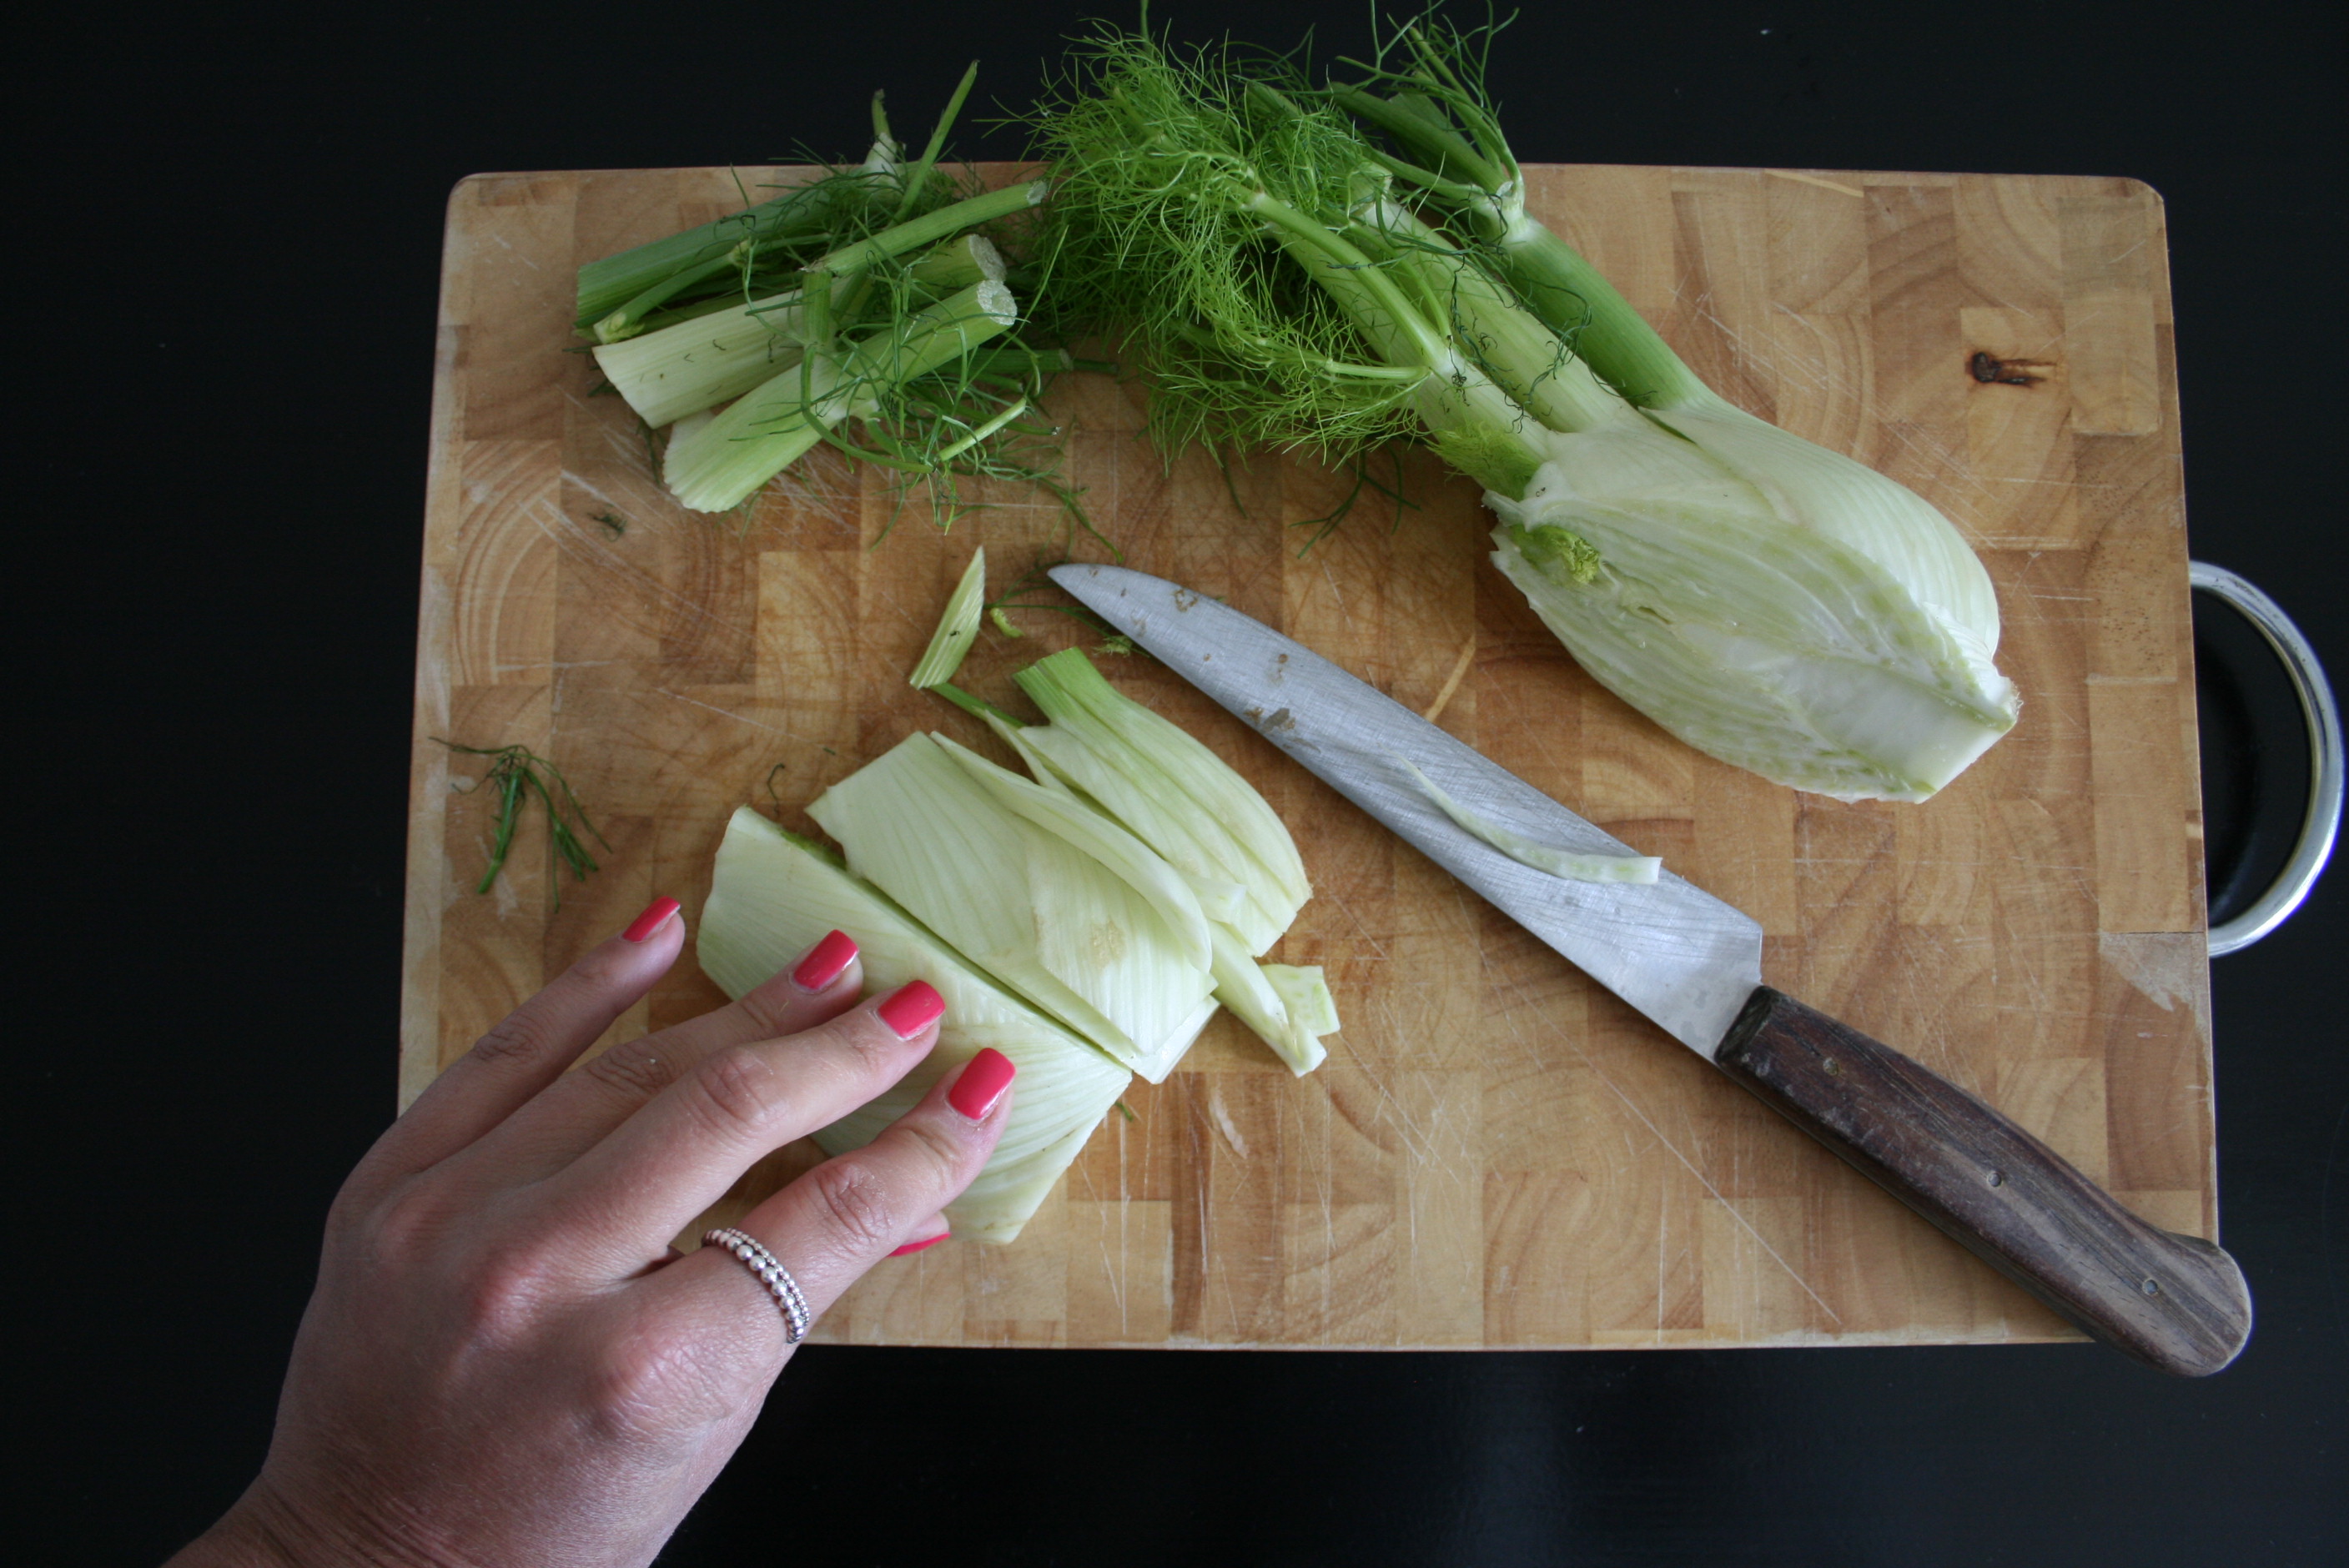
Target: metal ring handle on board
{"x":2321,"y":823}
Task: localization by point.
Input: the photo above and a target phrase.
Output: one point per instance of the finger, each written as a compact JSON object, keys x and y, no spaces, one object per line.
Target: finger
{"x":535,"y":1043}
{"x":680,"y":1153}
{"x":926,"y":1235}
{"x":580,"y":1110}
{"x":848,"y":1213}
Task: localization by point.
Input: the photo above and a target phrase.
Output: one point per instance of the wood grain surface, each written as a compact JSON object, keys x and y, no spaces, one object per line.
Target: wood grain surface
{"x":1497,"y":1152}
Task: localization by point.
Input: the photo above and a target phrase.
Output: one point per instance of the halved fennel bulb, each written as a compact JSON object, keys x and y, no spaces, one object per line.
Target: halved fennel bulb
{"x":1769,"y":602}
{"x":774,"y":896}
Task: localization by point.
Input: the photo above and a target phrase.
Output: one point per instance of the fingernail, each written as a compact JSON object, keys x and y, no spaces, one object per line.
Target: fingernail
{"x":982,"y":1084}
{"x":826,"y":962}
{"x":912,"y":1007}
{"x":917,"y":1246}
{"x":655,"y":916}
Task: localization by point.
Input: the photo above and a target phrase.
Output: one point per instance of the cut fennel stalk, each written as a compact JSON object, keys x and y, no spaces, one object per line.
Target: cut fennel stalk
{"x":1023,"y":904}
{"x":958,"y":627}
{"x":715,"y":466}
{"x":773,"y":896}
{"x":1289,"y":1007}
{"x":678,"y":370}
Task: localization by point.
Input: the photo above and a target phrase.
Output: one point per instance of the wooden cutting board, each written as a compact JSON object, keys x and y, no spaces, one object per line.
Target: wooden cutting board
{"x":1497,"y":1152}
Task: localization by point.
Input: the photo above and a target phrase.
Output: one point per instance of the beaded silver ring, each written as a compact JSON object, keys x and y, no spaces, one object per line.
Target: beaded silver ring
{"x":771,"y":1274}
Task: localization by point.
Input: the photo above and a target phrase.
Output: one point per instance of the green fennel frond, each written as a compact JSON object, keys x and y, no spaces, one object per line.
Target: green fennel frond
{"x":1166,"y":171}
{"x":518,"y":776}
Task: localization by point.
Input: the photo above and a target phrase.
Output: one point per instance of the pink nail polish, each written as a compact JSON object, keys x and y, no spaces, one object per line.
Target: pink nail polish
{"x":912,"y":1007}
{"x":982,"y":1083}
{"x":917,"y":1246}
{"x":655,"y":916}
{"x":826,"y":962}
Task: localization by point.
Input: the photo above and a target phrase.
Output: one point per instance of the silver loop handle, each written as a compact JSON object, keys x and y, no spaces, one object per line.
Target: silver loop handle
{"x":2322,"y":823}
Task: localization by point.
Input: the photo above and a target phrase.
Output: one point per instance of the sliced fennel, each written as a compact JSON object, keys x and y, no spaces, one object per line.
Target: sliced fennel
{"x":958,"y":627}
{"x":1039,"y":915}
{"x":1287,"y":1006}
{"x":1177,"y":796}
{"x":1201,"y":806}
{"x":773,"y":896}
{"x":1063,"y":814}
{"x":1550,"y":858}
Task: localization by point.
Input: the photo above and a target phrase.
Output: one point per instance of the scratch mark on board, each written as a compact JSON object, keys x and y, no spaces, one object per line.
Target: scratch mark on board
{"x":1690,"y":1166}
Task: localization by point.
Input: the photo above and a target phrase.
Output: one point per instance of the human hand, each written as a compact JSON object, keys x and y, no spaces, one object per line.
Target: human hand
{"x":505,"y":1361}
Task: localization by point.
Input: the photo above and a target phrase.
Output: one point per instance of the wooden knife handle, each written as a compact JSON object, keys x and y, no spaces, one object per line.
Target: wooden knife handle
{"x":2174,"y":1302}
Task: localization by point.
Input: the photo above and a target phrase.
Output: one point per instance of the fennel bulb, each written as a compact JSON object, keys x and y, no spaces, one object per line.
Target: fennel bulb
{"x":1775,"y":604}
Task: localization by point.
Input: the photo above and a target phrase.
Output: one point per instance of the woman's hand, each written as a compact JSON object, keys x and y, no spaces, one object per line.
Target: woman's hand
{"x":505,"y":1362}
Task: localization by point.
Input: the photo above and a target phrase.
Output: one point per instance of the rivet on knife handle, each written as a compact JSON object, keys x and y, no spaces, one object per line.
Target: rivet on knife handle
{"x":2175,"y":1301}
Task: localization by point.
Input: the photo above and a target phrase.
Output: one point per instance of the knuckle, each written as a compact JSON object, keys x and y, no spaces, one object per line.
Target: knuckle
{"x":651,"y":1388}
{"x":600,"y":969}
{"x":518,"y":1036}
{"x":766,"y":1009}
{"x":872,"y":1047}
{"x":410,"y":1222}
{"x":500,"y":1301}
{"x":495,"y":1287}
{"x":857,"y":1204}
{"x":635,"y":1070}
{"x":734,"y":1092}
{"x":948,"y":1161}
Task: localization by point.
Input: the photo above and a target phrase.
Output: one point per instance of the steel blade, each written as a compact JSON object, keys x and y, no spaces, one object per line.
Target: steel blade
{"x":1673,"y":951}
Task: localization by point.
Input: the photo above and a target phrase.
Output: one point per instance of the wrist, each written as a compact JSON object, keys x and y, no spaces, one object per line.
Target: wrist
{"x":262,"y":1530}
{"x":240,"y":1540}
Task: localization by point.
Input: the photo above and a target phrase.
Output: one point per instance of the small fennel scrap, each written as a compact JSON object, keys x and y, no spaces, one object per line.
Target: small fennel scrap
{"x":1550,"y":858}
{"x":958,"y":627}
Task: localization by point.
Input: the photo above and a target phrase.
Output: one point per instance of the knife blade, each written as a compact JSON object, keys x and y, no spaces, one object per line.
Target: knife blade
{"x":1692,"y":963}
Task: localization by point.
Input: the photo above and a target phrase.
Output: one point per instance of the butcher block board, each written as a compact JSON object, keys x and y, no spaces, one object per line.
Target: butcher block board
{"x":1497,"y":1152}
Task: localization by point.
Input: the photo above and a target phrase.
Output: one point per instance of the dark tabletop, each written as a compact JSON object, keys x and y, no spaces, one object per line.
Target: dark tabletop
{"x":227,"y":250}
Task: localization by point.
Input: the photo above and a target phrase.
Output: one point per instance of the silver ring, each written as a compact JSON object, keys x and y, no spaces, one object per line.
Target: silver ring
{"x":771,"y":1274}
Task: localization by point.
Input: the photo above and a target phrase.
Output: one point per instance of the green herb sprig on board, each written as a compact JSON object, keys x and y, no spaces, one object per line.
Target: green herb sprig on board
{"x":519,"y":775}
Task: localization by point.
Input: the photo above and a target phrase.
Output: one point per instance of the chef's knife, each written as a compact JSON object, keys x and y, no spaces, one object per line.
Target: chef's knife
{"x":1694,"y":964}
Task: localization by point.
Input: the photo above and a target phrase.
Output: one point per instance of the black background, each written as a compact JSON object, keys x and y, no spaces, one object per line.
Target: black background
{"x":227,"y":243}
